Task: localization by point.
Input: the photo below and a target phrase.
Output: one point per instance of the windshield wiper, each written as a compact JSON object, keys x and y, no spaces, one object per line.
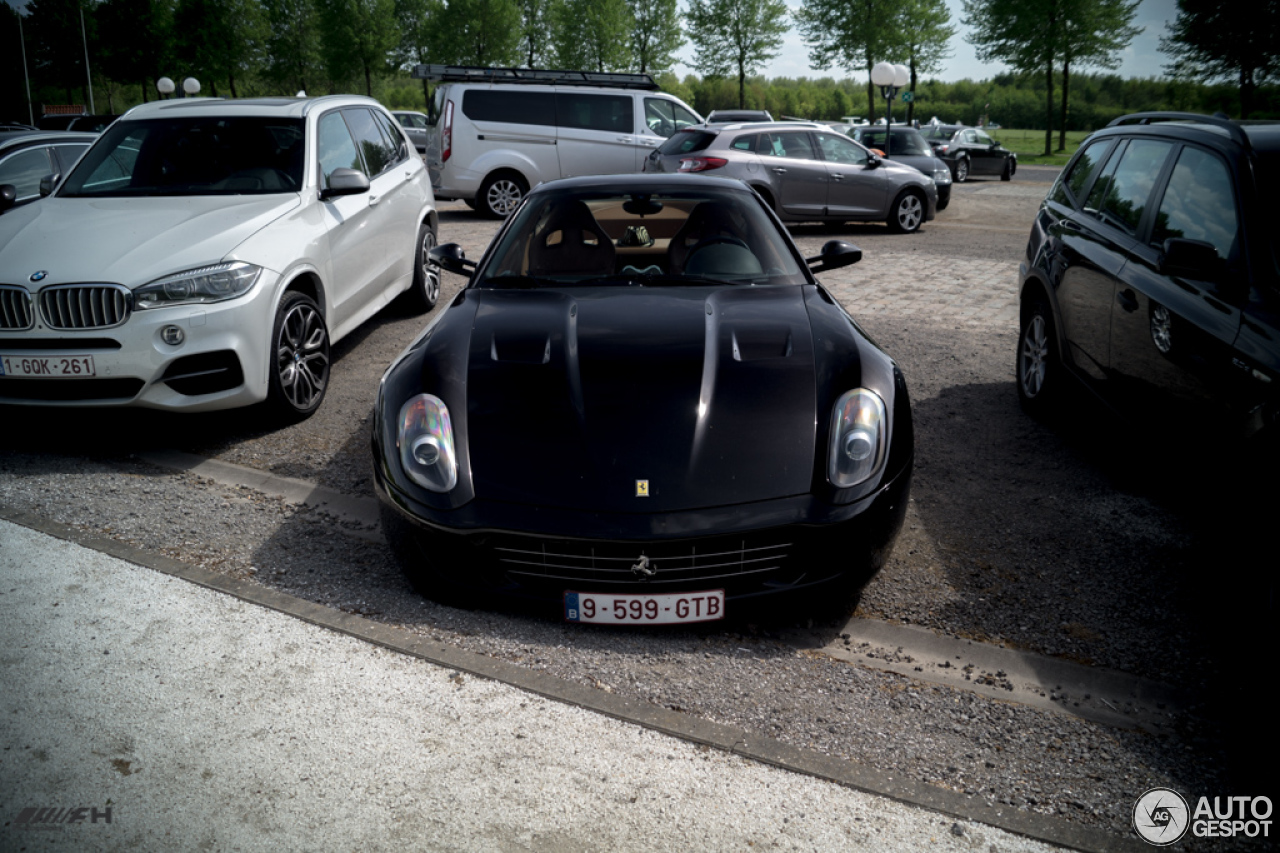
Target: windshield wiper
{"x":517,"y":282}
{"x":658,"y":279}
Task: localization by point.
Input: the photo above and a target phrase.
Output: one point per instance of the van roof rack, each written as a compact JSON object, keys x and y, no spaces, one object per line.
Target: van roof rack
{"x":478,"y":74}
{"x":1217,"y":121}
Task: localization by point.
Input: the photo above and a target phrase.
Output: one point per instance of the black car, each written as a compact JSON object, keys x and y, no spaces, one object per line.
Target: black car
{"x":644,"y":408}
{"x":970,"y":151}
{"x":908,"y":145}
{"x":1152,"y":275}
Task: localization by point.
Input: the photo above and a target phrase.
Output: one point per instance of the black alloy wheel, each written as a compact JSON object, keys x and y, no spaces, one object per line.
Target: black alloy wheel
{"x":1038,"y":366}
{"x":1008,"y":170}
{"x":300,"y":348}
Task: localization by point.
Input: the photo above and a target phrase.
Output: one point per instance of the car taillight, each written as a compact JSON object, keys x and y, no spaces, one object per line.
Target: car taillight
{"x":942,"y":149}
{"x":701,"y":164}
{"x":446,"y":135}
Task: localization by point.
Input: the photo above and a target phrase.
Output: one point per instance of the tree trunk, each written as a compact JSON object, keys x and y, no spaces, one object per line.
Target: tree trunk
{"x":231,"y":81}
{"x":1246,"y":92}
{"x":1048,"y":112}
{"x":368,"y":81}
{"x":911,"y":105}
{"x":144,"y":87}
{"x":742,"y":85}
{"x":1066,"y":88}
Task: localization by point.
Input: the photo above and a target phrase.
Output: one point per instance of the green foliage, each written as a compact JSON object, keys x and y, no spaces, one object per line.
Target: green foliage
{"x":293,"y":48}
{"x":478,"y":32}
{"x":356,"y":38}
{"x":591,"y":35}
{"x":655,"y":34}
{"x":1212,"y":41}
{"x":735,"y":36}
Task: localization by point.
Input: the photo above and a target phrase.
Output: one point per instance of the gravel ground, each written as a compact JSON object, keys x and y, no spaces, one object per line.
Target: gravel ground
{"x":1057,"y":540}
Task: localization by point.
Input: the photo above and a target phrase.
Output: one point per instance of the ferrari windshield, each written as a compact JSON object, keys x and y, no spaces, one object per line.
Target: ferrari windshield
{"x":655,"y":239}
{"x":192,"y":156}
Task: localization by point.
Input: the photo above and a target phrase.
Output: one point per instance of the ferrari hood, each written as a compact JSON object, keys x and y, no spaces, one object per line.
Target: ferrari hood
{"x":129,"y":241}
{"x":629,"y":399}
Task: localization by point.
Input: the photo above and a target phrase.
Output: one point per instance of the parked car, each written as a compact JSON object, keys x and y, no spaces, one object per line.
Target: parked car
{"x":29,"y":157}
{"x":500,"y":131}
{"x":583,"y":425}
{"x":1152,"y":276}
{"x":907,"y":145}
{"x":735,"y":116}
{"x":204,"y":254}
{"x":92,"y":123}
{"x":15,"y":127}
{"x":970,"y":151}
{"x":416,"y":126}
{"x":805,"y":172}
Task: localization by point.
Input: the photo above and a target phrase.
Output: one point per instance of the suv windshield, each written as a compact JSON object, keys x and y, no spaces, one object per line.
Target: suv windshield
{"x":1268,"y":186}
{"x":204,"y":155}
{"x":939,"y":131}
{"x":653,"y":239}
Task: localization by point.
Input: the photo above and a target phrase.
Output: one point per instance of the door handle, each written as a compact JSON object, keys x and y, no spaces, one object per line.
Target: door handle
{"x":837,"y":177}
{"x":778,"y":170}
{"x":624,"y":138}
{"x":373,"y":199}
{"x":1128,"y":301}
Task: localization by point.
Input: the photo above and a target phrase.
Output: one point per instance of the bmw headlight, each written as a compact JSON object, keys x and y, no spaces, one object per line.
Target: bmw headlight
{"x":207,"y":284}
{"x":426,"y":443}
{"x":942,"y":175}
{"x":859,"y":438}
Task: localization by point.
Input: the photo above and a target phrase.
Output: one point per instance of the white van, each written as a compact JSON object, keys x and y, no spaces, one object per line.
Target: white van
{"x":500,"y":131}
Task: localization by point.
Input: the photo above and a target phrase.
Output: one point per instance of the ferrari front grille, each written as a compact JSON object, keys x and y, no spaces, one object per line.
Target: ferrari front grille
{"x":655,"y":563}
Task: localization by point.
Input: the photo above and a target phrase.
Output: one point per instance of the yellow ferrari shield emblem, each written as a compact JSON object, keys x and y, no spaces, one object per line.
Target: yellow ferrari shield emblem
{"x":642,"y":488}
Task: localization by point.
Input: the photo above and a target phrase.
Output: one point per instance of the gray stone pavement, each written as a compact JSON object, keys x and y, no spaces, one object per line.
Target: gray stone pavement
{"x":196,"y":720}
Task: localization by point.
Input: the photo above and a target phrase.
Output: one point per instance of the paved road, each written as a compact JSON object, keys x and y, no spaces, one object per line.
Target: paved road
{"x":198,"y":721}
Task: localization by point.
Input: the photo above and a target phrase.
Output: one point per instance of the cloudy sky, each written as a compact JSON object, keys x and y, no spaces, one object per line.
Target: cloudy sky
{"x":1141,"y":59}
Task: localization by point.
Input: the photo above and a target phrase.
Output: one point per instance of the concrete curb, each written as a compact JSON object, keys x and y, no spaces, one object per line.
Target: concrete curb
{"x":676,"y":724}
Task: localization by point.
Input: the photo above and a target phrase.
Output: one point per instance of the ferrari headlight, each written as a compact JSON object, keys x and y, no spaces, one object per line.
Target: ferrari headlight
{"x":859,"y":437}
{"x":426,"y":443}
{"x":207,"y":284}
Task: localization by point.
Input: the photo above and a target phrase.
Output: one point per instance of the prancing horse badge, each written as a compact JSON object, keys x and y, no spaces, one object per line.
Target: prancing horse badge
{"x":642,"y":488}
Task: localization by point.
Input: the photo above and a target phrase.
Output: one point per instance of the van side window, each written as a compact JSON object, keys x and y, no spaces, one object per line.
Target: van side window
{"x":511,"y":107}
{"x":611,"y":113}
{"x":667,"y":118}
{"x":1199,"y":204}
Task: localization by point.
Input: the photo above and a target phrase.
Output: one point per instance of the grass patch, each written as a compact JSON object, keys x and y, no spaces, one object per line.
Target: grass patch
{"x":1029,"y":145}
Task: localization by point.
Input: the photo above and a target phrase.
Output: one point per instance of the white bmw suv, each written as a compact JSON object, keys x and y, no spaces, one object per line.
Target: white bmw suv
{"x":205,"y":254}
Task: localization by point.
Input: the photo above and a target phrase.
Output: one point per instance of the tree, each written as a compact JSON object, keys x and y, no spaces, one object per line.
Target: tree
{"x":420,"y":27}
{"x":591,"y":35}
{"x":135,"y":41}
{"x":293,"y":47}
{"x":854,"y":34}
{"x":655,"y":34}
{"x":480,"y":32}
{"x":1212,"y":40}
{"x":356,"y":38}
{"x":926,"y":29}
{"x":220,"y":39}
{"x":1025,"y":34}
{"x":535,"y":22}
{"x":735,"y":35}
{"x":55,"y":49}
{"x":1094,"y":31}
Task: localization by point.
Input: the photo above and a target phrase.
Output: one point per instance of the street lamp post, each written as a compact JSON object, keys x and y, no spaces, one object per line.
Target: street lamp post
{"x":166,"y":87}
{"x":890,"y":78}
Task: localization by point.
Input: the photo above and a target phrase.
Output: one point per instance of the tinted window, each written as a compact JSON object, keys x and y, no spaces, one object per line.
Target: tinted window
{"x":667,"y":117}
{"x":903,"y":142}
{"x":982,"y":138}
{"x":686,"y":141}
{"x":393,"y":134}
{"x":411,"y":120}
{"x":746,"y":142}
{"x":1076,"y":179}
{"x":24,"y":170}
{"x":337,"y":150}
{"x":794,"y":145}
{"x":969,"y":136}
{"x":1123,"y":198}
{"x":514,"y":107}
{"x":67,"y":155}
{"x":595,"y":112}
{"x":204,"y":155}
{"x":1199,"y":203}
{"x":839,"y":150}
{"x":374,"y":145}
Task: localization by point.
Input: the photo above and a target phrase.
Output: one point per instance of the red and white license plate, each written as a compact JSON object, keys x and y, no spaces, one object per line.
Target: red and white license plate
{"x":664,"y":609}
{"x":48,"y":367}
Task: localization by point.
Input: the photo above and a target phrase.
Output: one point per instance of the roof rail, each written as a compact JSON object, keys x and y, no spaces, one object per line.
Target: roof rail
{"x":477,"y":74}
{"x":1233,"y":130}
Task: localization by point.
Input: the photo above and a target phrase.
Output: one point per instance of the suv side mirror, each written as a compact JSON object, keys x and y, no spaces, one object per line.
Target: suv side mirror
{"x":835,"y":254}
{"x":47,"y":183}
{"x":345,"y":182}
{"x":1190,"y":259}
{"x":450,"y":256}
{"x":8,"y":196}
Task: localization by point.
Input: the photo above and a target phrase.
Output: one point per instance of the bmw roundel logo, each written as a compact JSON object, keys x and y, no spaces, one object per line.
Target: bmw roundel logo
{"x":39,"y":275}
